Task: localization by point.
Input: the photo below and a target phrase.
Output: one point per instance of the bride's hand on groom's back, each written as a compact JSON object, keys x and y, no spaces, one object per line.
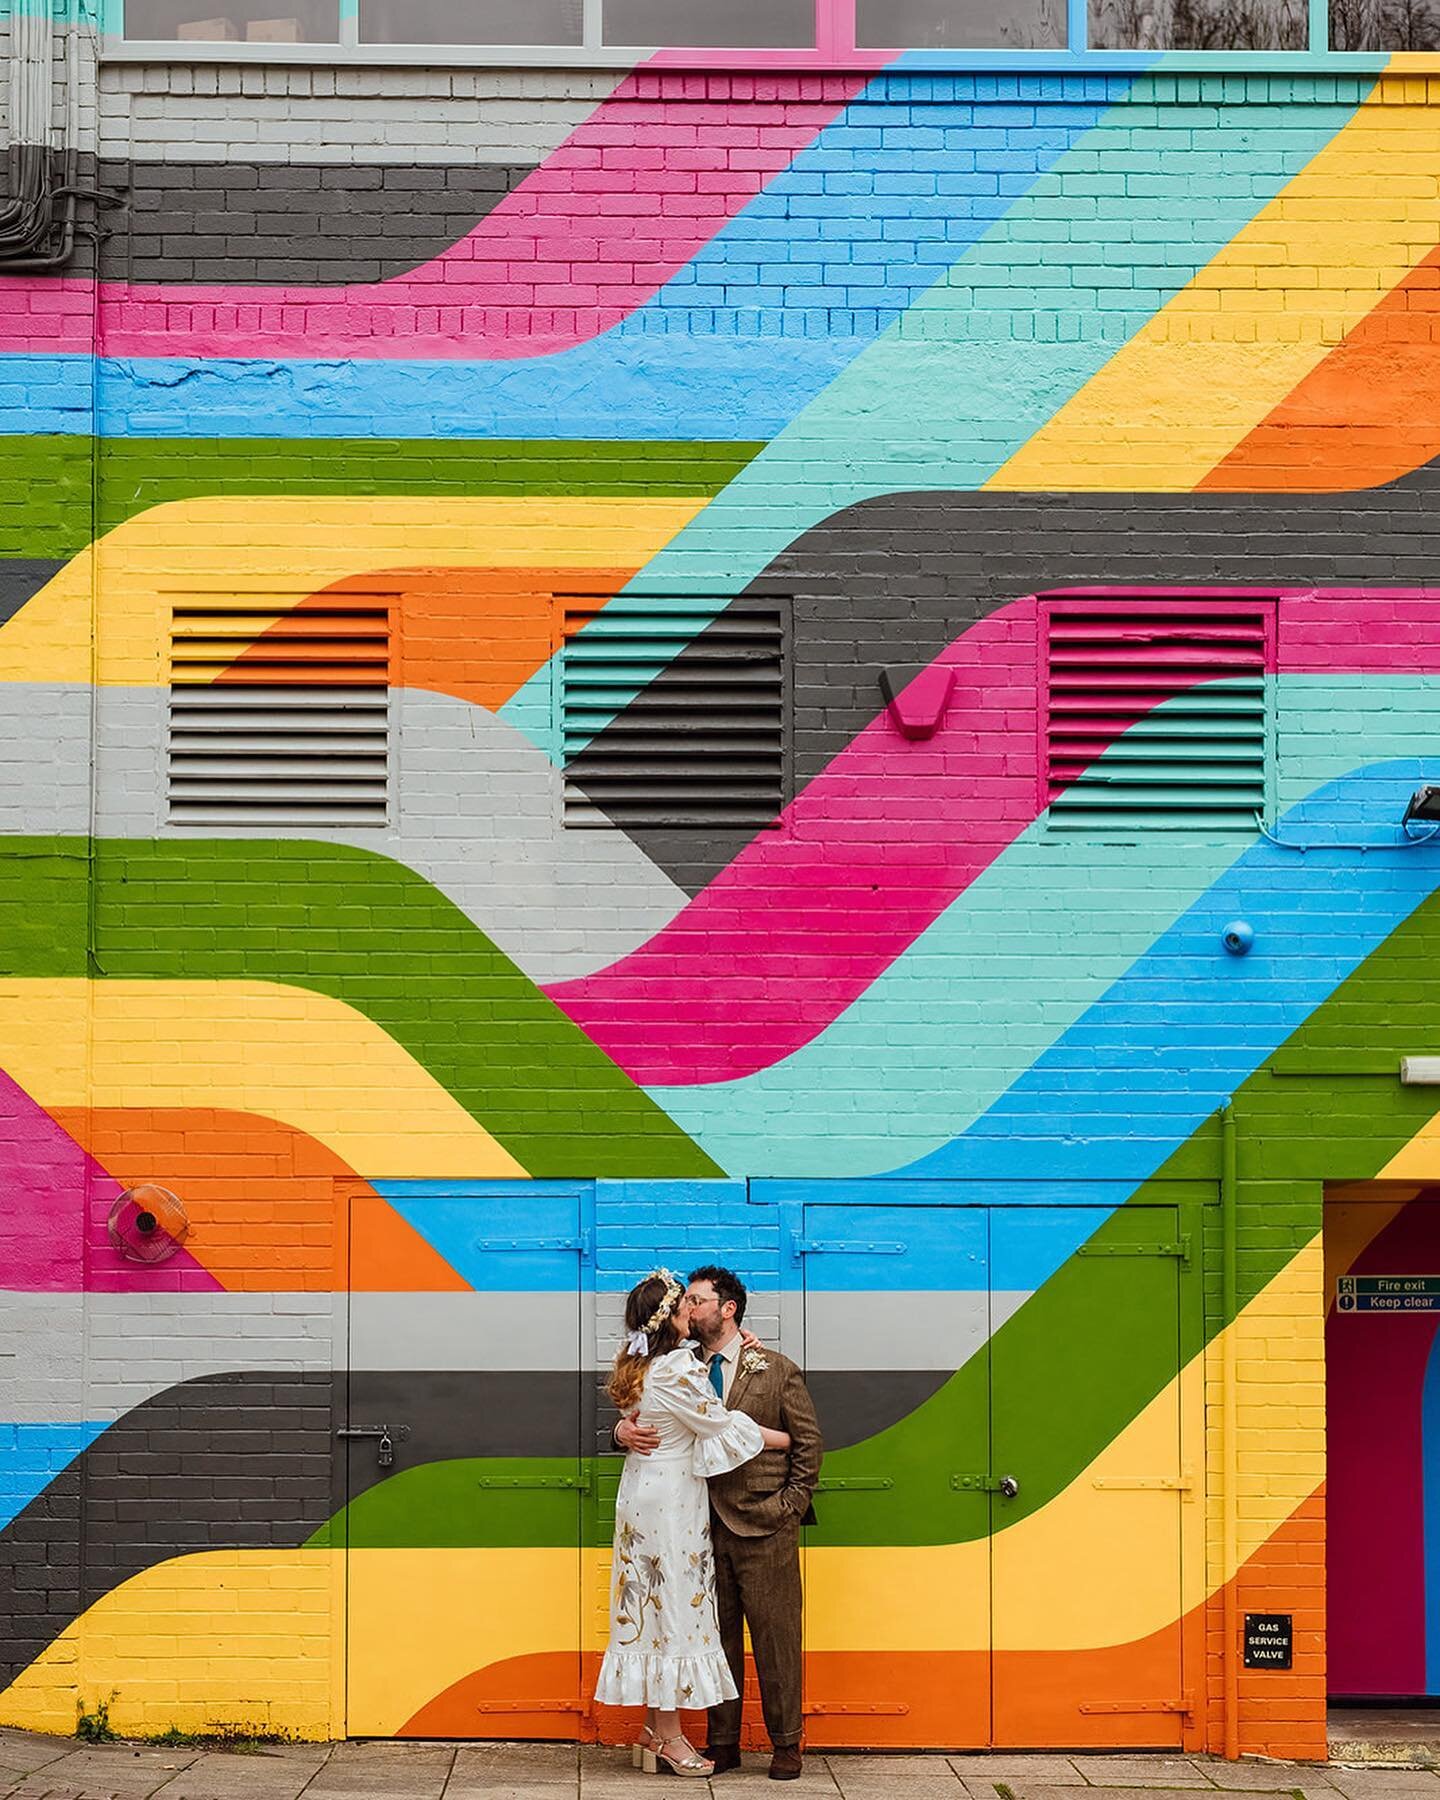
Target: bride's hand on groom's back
{"x":749,"y":1341}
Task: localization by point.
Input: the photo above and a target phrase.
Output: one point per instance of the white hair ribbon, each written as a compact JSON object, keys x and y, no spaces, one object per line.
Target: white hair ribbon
{"x":637,"y":1344}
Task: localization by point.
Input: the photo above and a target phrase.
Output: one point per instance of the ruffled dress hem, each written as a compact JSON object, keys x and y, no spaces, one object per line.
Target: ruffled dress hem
{"x":640,"y":1678}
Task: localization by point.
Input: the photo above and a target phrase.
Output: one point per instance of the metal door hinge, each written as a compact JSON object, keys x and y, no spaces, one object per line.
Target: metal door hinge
{"x":580,"y":1242}
{"x":1184,"y":1705}
{"x":803,"y":1246}
{"x":1179,"y":1249}
{"x":1175,"y":1484}
{"x":890,"y":1709}
{"x":573,"y":1483}
{"x":533,"y":1706}
{"x":846,"y":1484}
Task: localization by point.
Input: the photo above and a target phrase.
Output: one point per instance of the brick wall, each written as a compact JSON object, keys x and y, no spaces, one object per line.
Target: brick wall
{"x":903,"y":352}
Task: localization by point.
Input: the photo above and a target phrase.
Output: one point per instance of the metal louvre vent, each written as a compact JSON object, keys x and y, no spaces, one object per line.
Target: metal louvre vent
{"x":707,"y":745}
{"x":279,"y":717}
{"x":1157,"y":715}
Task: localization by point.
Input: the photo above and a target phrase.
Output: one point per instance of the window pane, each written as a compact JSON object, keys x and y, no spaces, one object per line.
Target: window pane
{"x":960,"y":24}
{"x":470,"y":21}
{"x":1198,"y":25}
{"x":234,"y":21}
{"x":718,"y":24}
{"x":1384,"y":25}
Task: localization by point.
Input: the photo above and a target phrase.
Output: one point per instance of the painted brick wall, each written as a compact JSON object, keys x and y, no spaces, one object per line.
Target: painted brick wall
{"x":905,"y":350}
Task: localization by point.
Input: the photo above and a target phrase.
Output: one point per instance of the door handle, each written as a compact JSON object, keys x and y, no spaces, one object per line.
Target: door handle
{"x":385,"y":1450}
{"x":985,"y":1484}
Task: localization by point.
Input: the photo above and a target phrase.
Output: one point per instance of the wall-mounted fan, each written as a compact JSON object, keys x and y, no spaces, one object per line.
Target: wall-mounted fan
{"x":147,"y":1223}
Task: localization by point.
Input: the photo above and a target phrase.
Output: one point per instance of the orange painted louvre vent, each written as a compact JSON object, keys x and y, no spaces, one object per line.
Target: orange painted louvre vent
{"x":279,"y":717}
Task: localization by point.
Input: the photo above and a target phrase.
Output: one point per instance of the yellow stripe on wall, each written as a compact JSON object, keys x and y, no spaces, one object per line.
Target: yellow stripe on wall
{"x":241,"y":1637}
{"x":1233,"y":343}
{"x":225,"y":546}
{"x":1419,"y":1160}
{"x":284,"y":1053}
{"x":1099,"y":1565}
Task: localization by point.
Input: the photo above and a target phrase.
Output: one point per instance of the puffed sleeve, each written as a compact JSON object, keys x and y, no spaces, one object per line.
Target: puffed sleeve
{"x":723,"y":1440}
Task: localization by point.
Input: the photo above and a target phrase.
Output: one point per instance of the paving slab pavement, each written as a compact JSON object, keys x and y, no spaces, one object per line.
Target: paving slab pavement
{"x":33,"y":1767}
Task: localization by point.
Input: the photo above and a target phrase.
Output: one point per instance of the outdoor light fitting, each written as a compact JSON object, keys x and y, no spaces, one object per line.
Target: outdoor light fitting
{"x":1424,"y":805}
{"x":1420,"y":1071}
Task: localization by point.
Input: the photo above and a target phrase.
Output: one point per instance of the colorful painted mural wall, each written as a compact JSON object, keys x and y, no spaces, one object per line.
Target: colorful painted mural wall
{"x":444,"y":432}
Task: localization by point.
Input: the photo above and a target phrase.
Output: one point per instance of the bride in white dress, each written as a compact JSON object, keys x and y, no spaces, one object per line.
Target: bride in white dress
{"x":664,"y":1650}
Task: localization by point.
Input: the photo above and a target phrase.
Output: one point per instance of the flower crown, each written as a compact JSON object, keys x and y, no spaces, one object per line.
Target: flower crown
{"x":638,"y":1343}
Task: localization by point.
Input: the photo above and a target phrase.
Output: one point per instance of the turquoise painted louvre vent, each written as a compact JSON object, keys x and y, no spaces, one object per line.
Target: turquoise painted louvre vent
{"x":671,"y":716}
{"x":1155,"y":713}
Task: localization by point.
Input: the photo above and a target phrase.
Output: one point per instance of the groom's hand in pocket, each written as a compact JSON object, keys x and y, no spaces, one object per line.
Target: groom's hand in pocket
{"x":630,"y":1434}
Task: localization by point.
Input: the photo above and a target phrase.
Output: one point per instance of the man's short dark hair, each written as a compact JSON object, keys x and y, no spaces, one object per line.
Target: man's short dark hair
{"x":727,"y":1285}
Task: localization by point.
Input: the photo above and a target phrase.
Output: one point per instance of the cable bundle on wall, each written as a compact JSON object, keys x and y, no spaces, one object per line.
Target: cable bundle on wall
{"x":37,"y":216}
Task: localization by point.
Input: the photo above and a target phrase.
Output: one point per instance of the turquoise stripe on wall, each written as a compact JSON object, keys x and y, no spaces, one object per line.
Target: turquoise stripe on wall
{"x":1014,"y":962}
{"x":950,"y":391}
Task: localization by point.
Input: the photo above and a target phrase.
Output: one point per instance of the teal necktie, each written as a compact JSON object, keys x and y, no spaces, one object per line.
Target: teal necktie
{"x":717,"y":1375}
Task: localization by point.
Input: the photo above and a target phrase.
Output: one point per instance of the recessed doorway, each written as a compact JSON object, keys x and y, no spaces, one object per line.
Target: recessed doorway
{"x":1382,"y":1352}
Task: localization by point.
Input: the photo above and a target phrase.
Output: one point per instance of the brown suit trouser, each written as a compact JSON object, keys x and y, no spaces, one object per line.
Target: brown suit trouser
{"x":757,"y":1582}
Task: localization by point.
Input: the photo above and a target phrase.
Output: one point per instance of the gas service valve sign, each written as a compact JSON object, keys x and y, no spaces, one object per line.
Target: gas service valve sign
{"x":1269,"y":1640}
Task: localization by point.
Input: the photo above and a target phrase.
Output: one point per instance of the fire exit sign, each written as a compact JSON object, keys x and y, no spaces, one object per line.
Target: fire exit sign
{"x":1387,"y":1293}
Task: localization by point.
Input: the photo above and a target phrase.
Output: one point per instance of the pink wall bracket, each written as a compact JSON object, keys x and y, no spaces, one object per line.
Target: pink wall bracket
{"x":916,"y":697}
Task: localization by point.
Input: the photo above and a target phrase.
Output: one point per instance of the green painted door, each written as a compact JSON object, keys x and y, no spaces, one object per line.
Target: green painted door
{"x":998,"y":1553}
{"x":1086,"y":1414}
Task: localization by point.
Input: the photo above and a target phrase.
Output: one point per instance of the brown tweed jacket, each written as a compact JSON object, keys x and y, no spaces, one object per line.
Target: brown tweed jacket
{"x":774,"y":1488}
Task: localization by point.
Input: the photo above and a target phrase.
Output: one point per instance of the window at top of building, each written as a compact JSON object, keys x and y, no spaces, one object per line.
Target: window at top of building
{"x":1384,"y":25}
{"x":1199,"y":25}
{"x":233,"y":21}
{"x":960,"y":24}
{"x":547,"y":22}
{"x":736,"y":25}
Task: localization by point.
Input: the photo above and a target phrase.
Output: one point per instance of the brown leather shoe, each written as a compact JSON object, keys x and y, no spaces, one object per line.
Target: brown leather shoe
{"x":724,"y":1756}
{"x":786,"y":1764}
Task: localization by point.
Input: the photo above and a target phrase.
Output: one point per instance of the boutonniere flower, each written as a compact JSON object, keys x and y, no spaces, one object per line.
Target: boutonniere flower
{"x":752,"y":1362}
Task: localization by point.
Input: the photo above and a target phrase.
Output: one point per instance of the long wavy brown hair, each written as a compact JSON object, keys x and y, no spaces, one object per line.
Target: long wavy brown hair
{"x":627,"y":1378}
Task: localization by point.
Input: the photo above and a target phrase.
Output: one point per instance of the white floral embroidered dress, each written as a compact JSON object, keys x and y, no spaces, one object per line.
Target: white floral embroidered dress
{"x":664,"y":1641}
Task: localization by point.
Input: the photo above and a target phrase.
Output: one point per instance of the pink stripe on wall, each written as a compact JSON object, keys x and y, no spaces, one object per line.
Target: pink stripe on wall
{"x":879,"y":844}
{"x":585,"y":239}
{"x":864,"y":859}
{"x":52,"y":1226}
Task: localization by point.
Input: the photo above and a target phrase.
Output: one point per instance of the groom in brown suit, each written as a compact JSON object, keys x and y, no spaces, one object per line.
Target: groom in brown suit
{"x":756,"y":1512}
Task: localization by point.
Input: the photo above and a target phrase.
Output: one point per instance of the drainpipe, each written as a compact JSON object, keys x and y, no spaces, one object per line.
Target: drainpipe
{"x":1229,"y":1447}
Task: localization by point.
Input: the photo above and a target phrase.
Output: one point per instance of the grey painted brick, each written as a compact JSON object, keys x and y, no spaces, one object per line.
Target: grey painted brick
{"x":352,"y":116}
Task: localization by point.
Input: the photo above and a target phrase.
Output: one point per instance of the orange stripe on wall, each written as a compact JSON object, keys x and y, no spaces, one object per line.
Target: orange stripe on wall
{"x":478,"y":634}
{"x":1368,"y":414}
{"x":268,"y":1205}
{"x":946,"y":1696}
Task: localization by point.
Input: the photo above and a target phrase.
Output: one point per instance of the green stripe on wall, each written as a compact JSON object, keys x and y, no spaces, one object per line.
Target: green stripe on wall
{"x":366,"y":931}
{"x":45,"y":482}
{"x":1086,"y":1359}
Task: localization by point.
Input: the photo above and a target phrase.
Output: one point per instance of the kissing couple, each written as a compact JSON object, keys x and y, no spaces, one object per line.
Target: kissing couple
{"x":722,"y":1453}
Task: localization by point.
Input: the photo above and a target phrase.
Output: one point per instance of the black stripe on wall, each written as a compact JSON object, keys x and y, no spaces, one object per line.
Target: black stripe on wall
{"x":894,"y":580}
{"x":317,"y":224}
